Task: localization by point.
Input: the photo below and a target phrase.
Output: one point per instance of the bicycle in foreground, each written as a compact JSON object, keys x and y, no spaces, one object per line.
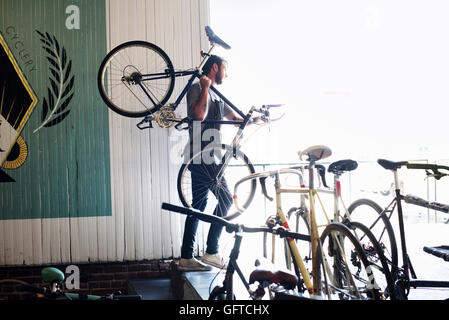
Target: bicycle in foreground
{"x":136,"y":79}
{"x":339,"y":266}
{"x":54,"y":291}
{"x":279,"y":283}
{"x":404,"y":276}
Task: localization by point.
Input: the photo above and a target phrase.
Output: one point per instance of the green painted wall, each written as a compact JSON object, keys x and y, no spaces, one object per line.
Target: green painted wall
{"x":59,"y":46}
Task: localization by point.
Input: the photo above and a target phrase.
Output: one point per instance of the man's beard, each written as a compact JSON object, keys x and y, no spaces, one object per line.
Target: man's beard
{"x":218,"y":78}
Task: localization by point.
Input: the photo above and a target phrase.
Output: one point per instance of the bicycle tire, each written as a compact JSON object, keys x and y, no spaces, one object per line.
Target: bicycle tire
{"x":370,"y":214}
{"x":375,"y":254}
{"x":118,"y":70}
{"x":209,"y":162}
{"x":337,"y":277}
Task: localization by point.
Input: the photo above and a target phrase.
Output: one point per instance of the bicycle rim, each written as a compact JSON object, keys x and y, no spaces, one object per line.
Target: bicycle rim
{"x":136,"y":78}
{"x":216,"y":193}
{"x":346,"y":274}
{"x":376,"y":258}
{"x":370,"y":214}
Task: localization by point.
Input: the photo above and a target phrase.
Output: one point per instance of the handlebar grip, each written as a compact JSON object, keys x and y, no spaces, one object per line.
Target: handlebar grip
{"x":421,"y":166}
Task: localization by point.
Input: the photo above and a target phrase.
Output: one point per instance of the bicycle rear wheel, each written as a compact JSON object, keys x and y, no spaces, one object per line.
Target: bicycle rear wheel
{"x":136,"y":78}
{"x":370,"y":214}
{"x":375,"y":254}
{"x":216,"y":170}
{"x":345,"y":272}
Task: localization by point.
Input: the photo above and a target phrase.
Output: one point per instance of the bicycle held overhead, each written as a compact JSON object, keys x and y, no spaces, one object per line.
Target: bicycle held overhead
{"x":137,"y":78}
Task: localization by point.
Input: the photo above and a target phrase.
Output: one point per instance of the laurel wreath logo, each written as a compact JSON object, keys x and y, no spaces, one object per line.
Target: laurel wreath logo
{"x":60,"y":92}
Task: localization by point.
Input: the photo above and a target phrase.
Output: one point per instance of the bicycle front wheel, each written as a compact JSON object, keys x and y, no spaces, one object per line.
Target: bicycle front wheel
{"x":205,"y":182}
{"x":370,"y":214}
{"x":136,"y":78}
{"x":345,"y":272}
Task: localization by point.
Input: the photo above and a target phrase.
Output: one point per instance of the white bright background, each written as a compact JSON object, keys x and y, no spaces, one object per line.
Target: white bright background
{"x":369,"y":79}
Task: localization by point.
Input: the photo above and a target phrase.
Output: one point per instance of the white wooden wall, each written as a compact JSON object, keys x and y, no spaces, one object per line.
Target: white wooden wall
{"x":144,"y":167}
{"x":144,"y":164}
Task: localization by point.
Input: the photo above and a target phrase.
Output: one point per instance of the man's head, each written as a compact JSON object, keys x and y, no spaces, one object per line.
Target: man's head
{"x":215,"y":69}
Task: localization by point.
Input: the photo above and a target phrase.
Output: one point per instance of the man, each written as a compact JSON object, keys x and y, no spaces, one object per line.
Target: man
{"x":203,"y":104}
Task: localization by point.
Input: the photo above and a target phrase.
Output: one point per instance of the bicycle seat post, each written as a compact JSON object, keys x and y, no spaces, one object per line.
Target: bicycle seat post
{"x":206,"y":56}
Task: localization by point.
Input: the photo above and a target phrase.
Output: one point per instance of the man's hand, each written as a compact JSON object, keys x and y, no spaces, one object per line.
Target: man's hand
{"x":256,"y":120}
{"x":205,"y":82}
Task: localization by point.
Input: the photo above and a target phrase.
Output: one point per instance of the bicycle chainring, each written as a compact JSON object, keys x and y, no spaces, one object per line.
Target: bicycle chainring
{"x":163,"y":117}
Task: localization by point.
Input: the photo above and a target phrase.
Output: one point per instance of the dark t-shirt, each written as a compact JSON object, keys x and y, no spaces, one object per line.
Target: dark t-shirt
{"x":209,"y":132}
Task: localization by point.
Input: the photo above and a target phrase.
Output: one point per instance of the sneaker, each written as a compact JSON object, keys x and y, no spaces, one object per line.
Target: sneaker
{"x":214,"y":260}
{"x":192,"y":265}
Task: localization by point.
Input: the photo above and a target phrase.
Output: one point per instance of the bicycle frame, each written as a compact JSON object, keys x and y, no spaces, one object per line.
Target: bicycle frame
{"x":407,"y":266}
{"x":194,"y":74}
{"x":408,"y":271}
{"x":312,"y":287}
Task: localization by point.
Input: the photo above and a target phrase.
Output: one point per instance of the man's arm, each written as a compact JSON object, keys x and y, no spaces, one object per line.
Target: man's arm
{"x":199,"y":106}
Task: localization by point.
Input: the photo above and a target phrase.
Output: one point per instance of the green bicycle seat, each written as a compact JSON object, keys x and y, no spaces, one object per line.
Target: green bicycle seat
{"x":51,"y":274}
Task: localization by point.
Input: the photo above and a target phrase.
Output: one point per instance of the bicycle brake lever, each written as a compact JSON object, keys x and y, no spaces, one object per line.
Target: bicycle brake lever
{"x":322,"y":172}
{"x":264,"y":188}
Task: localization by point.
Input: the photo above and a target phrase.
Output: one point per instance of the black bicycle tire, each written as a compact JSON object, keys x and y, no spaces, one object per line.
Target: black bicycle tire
{"x":380,"y":253}
{"x":388,"y":227}
{"x":101,"y":71}
{"x":244,"y":158}
{"x":344,"y":230}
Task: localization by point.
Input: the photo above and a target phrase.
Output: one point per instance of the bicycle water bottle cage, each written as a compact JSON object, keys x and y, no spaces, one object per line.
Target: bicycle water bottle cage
{"x":315,"y":153}
{"x":338,"y":167}
{"x":390,"y":165}
{"x":213,"y":38}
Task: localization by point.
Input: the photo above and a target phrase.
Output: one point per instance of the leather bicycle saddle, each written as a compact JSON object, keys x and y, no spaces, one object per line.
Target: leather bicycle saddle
{"x":285,"y":279}
{"x":215,"y":39}
{"x":341,"y":166}
{"x":315,"y":153}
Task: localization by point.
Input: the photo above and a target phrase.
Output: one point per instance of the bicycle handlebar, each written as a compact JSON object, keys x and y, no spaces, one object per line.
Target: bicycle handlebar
{"x":262,"y":176}
{"x":391,"y":165}
{"x":234,"y":227}
{"x":57,"y":293}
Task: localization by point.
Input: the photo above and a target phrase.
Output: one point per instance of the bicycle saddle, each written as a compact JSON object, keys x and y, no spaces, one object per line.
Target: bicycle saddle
{"x":51,"y":275}
{"x":315,"y":153}
{"x":285,"y":279}
{"x":390,"y":165}
{"x":213,"y":38}
{"x":341,"y":166}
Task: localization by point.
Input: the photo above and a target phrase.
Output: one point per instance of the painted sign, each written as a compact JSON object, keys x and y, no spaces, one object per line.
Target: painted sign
{"x":54,"y":136}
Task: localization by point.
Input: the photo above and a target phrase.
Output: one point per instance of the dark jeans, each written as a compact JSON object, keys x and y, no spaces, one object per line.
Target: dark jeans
{"x":201,"y":184}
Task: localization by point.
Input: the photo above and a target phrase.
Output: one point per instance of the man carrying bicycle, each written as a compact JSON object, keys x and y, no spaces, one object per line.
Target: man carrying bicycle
{"x":203,"y":104}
